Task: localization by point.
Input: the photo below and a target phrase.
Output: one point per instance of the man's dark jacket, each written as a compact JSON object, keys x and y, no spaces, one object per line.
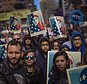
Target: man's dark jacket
{"x":6,"y":74}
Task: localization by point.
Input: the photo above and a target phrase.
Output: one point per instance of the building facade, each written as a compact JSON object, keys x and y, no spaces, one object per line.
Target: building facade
{"x":12,"y":5}
{"x":48,"y":8}
{"x":9,"y":6}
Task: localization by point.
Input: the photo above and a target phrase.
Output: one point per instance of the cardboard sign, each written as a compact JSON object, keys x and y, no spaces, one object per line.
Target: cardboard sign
{"x":58,"y":26}
{"x":36,"y":23}
{"x":50,"y":63}
{"x":15,"y":24}
{"x":77,"y":75}
{"x":75,"y":57}
{"x":76,"y":16}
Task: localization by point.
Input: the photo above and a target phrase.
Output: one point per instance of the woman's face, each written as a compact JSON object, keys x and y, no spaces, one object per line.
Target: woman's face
{"x":61,"y":62}
{"x":27,"y":41}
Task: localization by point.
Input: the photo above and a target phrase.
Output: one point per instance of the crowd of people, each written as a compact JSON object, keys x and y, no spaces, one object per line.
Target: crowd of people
{"x":26,"y":58}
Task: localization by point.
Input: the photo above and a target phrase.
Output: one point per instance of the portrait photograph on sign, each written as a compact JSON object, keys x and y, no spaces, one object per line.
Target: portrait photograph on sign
{"x":15,"y":24}
{"x":36,"y":23}
{"x":77,"y":75}
{"x":58,"y":26}
{"x":74,"y":57}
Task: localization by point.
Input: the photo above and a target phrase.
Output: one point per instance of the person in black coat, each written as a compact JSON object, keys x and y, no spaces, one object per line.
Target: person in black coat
{"x":11,"y":72}
{"x":42,"y":54}
{"x":34,"y":73}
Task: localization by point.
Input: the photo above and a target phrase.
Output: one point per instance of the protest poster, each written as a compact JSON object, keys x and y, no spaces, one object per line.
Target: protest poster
{"x":50,"y":63}
{"x":83,"y":26}
{"x":76,"y":16}
{"x":74,"y":57}
{"x":58,"y":26}
{"x":15,"y":24}
{"x":36,"y":23}
{"x":2,"y":52}
{"x":77,"y":75}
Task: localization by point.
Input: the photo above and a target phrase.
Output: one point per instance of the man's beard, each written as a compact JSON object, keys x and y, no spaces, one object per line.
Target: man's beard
{"x":14,"y":64}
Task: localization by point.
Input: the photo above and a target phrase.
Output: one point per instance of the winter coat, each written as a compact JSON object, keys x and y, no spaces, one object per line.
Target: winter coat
{"x":82,"y":49}
{"x":57,"y":77}
{"x":41,"y":58}
{"x":36,"y":77}
{"x":7,"y":74}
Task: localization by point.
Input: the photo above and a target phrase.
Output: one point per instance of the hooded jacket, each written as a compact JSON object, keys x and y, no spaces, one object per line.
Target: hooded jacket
{"x":64,"y":46}
{"x":82,"y":49}
{"x":41,"y":61}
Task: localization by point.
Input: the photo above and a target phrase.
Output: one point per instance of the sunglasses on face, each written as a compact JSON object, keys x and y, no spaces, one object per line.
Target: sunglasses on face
{"x":27,"y":57}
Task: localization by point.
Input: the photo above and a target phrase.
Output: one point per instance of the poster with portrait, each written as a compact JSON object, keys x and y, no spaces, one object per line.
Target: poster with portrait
{"x":36,"y":23}
{"x":50,"y":63}
{"x":58,"y":26}
{"x":77,"y":75}
{"x":74,"y":57}
{"x":15,"y":24}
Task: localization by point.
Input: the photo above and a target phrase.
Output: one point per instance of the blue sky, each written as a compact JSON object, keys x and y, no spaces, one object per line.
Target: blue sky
{"x":37,"y":4}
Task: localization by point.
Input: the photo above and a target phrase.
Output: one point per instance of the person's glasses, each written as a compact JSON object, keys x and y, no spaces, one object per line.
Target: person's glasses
{"x":16,"y":39}
{"x":44,"y":44}
{"x":27,"y":57}
{"x":79,"y":39}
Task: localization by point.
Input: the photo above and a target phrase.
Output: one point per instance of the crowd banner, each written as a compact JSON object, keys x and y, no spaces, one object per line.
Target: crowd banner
{"x":77,"y":75}
{"x":36,"y":23}
{"x":74,"y":58}
{"x":58,"y":26}
{"x":50,"y":63}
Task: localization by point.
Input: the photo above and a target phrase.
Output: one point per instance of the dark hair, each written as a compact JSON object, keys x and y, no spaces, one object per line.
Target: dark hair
{"x":28,"y":51}
{"x":84,"y":57}
{"x":27,"y":36}
{"x":63,"y":53}
{"x":14,"y":42}
{"x":43,"y":39}
{"x":18,"y":34}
